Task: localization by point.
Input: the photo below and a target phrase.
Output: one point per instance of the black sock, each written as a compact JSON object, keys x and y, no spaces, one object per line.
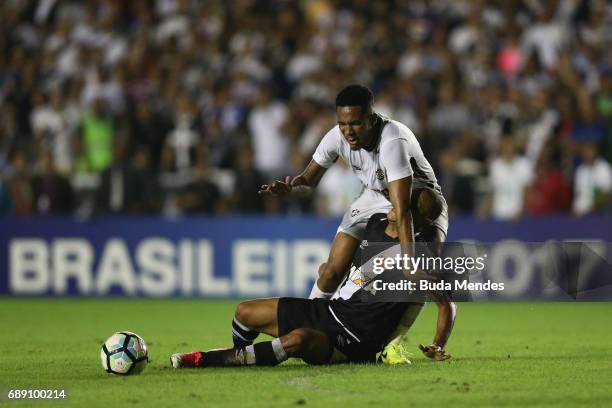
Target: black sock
{"x":222,"y":358}
{"x":242,"y":335}
{"x":266,"y":353}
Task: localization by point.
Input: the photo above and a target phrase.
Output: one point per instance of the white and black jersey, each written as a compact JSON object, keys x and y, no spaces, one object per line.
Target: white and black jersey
{"x":395,"y":154}
{"x":355,"y":305}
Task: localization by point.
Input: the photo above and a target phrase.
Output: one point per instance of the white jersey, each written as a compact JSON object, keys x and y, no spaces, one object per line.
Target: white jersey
{"x":397,"y":154}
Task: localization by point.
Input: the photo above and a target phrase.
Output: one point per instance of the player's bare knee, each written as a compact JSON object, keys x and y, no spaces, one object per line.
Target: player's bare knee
{"x":244,"y":312}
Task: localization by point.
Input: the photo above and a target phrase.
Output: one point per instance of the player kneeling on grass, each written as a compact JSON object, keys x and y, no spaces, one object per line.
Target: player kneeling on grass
{"x":353,"y":326}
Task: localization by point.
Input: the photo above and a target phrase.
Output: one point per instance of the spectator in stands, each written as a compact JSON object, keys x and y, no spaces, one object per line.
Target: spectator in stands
{"x":97,"y":138}
{"x":145,"y":194}
{"x":184,"y":73}
{"x":19,"y":186}
{"x":186,"y":133}
{"x":459,"y":170}
{"x":592,"y":182}
{"x":5,"y":200}
{"x":270,"y":145}
{"x":148,"y":130}
{"x":550,"y":192}
{"x":450,"y":116}
{"x":128,"y":186}
{"x":548,"y":35}
{"x":200,"y":195}
{"x":221,"y":144}
{"x":52,"y":191}
{"x":113,"y":188}
{"x":247,"y":183}
{"x":510,"y":175}
{"x":51,"y":129}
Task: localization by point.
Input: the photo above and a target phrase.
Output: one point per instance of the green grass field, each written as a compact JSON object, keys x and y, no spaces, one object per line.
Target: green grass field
{"x":510,"y":354}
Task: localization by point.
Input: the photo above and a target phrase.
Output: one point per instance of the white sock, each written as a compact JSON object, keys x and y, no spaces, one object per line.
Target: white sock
{"x":266,"y":353}
{"x":249,"y":355}
{"x":279,"y":351}
{"x":318,"y":293}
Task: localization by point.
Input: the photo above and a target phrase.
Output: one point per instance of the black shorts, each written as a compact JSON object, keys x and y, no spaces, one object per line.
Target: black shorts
{"x":297,"y":313}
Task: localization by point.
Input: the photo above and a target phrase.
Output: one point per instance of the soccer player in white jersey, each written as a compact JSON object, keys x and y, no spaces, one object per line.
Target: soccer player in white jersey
{"x":386,"y":156}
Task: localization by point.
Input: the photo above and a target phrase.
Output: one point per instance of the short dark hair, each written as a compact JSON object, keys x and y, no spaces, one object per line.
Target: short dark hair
{"x":356,"y":95}
{"x":426,"y":203}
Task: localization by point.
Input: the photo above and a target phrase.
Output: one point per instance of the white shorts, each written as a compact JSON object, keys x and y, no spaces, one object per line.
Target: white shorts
{"x":371,"y":202}
{"x":357,"y":216}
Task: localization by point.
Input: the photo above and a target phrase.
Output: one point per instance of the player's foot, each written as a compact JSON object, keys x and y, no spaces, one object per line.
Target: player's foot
{"x":185,"y":360}
{"x":394,"y":353}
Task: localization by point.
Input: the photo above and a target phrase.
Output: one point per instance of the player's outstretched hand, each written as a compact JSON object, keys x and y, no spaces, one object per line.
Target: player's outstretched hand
{"x":434,"y":352}
{"x":276,"y":187}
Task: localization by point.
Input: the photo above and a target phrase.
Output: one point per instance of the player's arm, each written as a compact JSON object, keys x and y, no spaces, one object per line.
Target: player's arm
{"x":309,"y":179}
{"x":395,"y":160}
{"x":301,"y":184}
{"x":399,"y":195}
{"x":447,"y":310}
{"x":400,"y":192}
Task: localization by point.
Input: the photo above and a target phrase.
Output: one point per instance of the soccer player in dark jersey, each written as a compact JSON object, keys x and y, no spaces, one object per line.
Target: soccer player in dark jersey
{"x":352,"y":326}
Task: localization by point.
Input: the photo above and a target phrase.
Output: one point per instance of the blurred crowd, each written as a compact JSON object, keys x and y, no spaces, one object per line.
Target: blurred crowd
{"x":182,"y":106}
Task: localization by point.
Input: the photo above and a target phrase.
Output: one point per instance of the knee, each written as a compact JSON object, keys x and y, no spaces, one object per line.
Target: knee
{"x":244,"y":312}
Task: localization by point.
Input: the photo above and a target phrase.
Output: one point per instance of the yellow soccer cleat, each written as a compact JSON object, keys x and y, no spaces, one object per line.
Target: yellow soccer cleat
{"x":394,"y":353}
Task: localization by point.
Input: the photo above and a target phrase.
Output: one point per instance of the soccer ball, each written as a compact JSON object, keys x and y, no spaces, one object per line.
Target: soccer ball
{"x":124,"y":353}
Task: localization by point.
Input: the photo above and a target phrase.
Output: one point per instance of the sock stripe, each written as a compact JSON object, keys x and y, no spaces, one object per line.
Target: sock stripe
{"x":240,"y":325}
{"x":235,"y":333}
{"x":244,"y":332}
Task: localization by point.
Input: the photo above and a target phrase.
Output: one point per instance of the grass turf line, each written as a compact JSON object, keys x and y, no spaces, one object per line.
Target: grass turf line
{"x":504,"y":354}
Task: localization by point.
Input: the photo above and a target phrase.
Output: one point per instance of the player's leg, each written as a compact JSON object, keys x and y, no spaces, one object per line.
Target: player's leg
{"x":299,"y":323}
{"x":394,"y":352}
{"x":313,"y":346}
{"x":333,"y":271}
{"x":253,"y":317}
{"x":350,"y":234}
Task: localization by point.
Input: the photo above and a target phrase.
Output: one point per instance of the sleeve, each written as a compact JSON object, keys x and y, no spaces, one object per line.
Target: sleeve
{"x":328,"y":150}
{"x":395,"y":158}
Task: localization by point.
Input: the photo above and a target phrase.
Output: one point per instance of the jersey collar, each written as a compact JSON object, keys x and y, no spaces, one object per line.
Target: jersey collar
{"x":378,"y":128}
